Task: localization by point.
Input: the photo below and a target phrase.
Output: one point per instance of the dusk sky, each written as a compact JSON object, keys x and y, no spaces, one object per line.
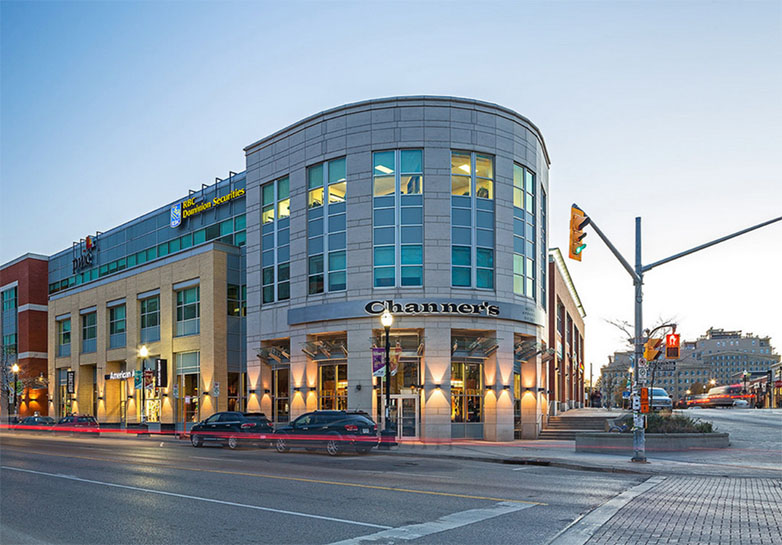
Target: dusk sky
{"x":669,"y":111}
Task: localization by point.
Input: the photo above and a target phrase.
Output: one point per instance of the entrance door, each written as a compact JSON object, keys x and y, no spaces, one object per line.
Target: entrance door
{"x":404,"y":410}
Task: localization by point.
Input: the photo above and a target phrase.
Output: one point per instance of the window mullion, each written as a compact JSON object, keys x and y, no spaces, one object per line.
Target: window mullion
{"x":325,"y":227}
{"x":474,"y":219}
{"x":397,"y":219}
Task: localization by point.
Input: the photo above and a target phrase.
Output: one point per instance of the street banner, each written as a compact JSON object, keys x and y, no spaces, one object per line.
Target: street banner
{"x":393,"y":360}
{"x":137,"y":379}
{"x":70,"y":382}
{"x":378,"y":362}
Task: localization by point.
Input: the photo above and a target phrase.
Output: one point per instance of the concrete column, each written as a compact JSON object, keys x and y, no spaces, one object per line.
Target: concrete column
{"x":359,"y":370}
{"x":299,"y":376}
{"x":498,"y":403}
{"x":530,"y":399}
{"x":436,"y":403}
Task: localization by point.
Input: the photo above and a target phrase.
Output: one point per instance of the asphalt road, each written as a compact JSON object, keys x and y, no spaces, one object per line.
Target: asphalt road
{"x":102,"y":490}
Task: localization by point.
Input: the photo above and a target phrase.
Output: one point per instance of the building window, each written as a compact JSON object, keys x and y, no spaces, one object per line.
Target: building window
{"x":150,"y":319}
{"x":237,"y":300}
{"x":188,"y":311}
{"x":326,"y":227}
{"x":10,"y":347}
{"x":524,"y":232}
{"x":117,"y":326}
{"x":89,"y":332}
{"x":64,"y":337}
{"x":472,"y":220}
{"x":275,"y":242}
{"x":466,"y":392}
{"x":398,"y":218}
{"x":333,"y":387}
{"x":9,"y":299}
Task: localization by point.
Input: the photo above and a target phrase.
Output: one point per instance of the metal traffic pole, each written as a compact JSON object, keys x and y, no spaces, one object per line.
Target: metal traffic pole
{"x":639,"y":438}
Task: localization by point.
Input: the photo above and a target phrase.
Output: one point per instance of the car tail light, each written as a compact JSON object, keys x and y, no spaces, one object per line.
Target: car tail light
{"x":248,"y":425}
{"x":351,"y":427}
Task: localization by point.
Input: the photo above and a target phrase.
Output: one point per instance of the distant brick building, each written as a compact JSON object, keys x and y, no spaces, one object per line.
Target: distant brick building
{"x":565,"y":336}
{"x":23,"y":291}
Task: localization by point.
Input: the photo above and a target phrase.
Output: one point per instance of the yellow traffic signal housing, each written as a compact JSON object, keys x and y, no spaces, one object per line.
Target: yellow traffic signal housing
{"x":651,"y":350}
{"x":578,"y":221}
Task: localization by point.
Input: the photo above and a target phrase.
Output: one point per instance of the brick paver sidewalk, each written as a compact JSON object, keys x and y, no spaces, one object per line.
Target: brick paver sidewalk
{"x":699,"y":510}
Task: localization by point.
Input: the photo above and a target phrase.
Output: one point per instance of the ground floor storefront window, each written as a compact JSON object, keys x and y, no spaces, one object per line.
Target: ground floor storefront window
{"x":281,"y":394}
{"x":516,"y":405}
{"x":466,"y":399}
{"x":333,"y":386}
{"x":188,"y":367}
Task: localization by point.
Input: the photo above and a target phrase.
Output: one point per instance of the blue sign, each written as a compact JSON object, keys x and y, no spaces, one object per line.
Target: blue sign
{"x":626,"y":394}
{"x":176,"y":214}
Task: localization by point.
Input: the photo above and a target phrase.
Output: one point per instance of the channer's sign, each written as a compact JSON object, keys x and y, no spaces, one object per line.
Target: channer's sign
{"x":377,"y":307}
{"x":191,"y":207}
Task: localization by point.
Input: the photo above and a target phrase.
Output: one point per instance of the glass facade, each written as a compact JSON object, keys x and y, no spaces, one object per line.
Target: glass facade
{"x":524,"y":232}
{"x":472,"y":220}
{"x":543,"y":250}
{"x":151,"y":236}
{"x":275,"y":241}
{"x":326,"y":227}
{"x":150,"y":319}
{"x":333,"y":391}
{"x":188,"y":311}
{"x":398,"y":218}
{"x":8,"y":324}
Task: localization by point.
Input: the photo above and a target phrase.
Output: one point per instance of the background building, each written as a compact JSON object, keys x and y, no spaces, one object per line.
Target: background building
{"x":566,"y":337}
{"x":432,"y":207}
{"x":23,"y":333}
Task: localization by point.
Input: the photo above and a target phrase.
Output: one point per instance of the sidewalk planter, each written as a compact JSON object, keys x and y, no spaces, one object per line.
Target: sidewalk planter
{"x":622,"y":443}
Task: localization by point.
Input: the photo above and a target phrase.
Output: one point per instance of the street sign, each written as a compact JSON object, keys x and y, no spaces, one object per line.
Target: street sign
{"x":666,"y":366}
{"x":644,"y":400}
{"x":626,"y":394}
{"x":216,"y":389}
{"x":638,"y":421}
{"x":636,"y":403}
{"x":175,"y":391}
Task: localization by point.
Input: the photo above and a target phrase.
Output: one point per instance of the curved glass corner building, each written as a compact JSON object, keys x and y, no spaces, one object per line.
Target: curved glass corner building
{"x":434,"y":208}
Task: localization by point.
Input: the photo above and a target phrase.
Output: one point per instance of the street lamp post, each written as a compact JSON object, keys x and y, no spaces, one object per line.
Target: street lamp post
{"x":387,"y":319}
{"x":15,"y":370}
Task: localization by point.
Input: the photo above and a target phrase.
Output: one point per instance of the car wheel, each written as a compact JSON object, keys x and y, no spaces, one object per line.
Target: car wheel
{"x":232,"y":442}
{"x":281,"y":444}
{"x":333,"y":446}
{"x":363,"y":450}
{"x":196,"y":441}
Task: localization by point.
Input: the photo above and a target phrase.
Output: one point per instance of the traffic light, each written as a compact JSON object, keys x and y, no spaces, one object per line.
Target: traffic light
{"x":672,"y":346}
{"x":578,"y":221}
{"x":651,"y":349}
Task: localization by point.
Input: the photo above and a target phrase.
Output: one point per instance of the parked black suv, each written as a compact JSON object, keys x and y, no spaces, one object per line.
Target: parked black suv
{"x":232,"y":428}
{"x":336,"y":431}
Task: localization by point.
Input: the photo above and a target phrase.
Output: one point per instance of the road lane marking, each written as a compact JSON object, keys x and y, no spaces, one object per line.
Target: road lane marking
{"x":520,"y":468}
{"x":198,"y":498}
{"x":301,"y":479}
{"x":583,"y":528}
{"x":218,"y":459}
{"x":442,"y":524}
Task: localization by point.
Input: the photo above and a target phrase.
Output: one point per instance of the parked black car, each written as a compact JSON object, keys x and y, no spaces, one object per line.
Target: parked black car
{"x":77,"y":424}
{"x":232,"y":428}
{"x":36,"y":423}
{"x":336,"y":431}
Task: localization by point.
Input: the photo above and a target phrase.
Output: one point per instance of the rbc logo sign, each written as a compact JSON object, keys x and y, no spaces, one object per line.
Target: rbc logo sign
{"x":176,"y":215}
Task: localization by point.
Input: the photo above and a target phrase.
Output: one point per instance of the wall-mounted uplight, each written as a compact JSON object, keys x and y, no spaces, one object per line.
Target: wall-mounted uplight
{"x":313,"y":388}
{"x":266,"y":391}
{"x":506,"y":386}
{"x":206,"y":393}
{"x":490,"y":387}
{"x":438,"y":386}
{"x":297,"y":388}
{"x":101,"y":398}
{"x":528,"y":388}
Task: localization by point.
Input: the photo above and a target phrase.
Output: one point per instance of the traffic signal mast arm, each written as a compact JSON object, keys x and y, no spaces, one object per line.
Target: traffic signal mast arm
{"x":708,"y":244}
{"x":619,"y":256}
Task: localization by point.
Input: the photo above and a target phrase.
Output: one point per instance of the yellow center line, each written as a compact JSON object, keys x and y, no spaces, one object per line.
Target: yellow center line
{"x":301,"y":479}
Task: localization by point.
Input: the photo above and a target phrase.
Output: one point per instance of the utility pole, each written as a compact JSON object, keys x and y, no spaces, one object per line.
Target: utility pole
{"x":579,"y":221}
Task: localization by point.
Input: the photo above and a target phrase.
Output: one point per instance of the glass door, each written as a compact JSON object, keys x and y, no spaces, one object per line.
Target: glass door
{"x":404,"y":410}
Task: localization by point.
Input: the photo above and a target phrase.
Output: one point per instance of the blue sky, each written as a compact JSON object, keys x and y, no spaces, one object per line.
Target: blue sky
{"x":670,"y":111}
